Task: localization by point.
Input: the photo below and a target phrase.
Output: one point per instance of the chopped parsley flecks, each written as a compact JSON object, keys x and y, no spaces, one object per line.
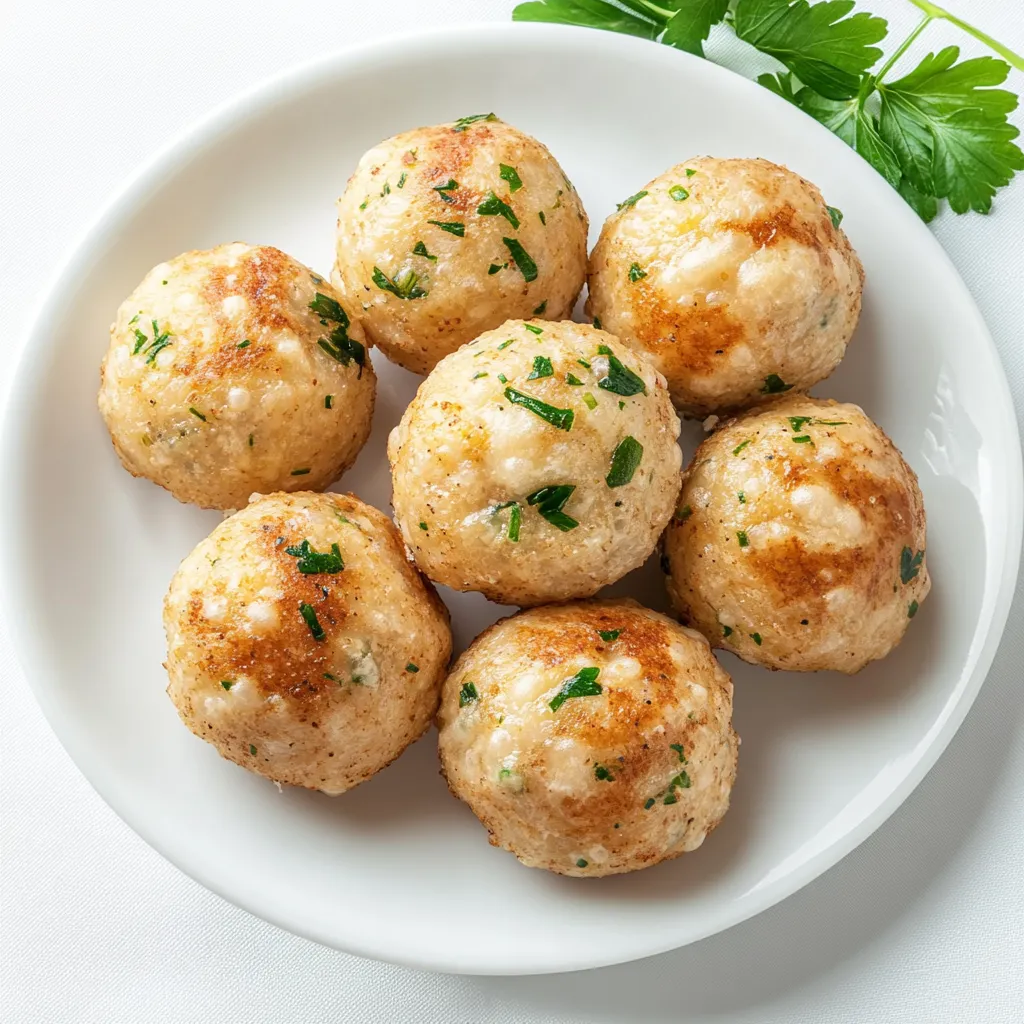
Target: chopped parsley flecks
{"x":308,"y":612}
{"x":726,"y":630}
{"x":227,"y":683}
{"x":550,"y":501}
{"x":678,"y":748}
{"x":756,"y":637}
{"x":534,"y":329}
{"x":502,"y":378}
{"x":649,"y":803}
{"x":251,"y":439}
{"x":445,"y":190}
{"x":338,"y":345}
{"x":797,"y":422}
{"x":252,"y":749}
{"x":403,"y":286}
{"x":625,"y":460}
{"x":151,"y":347}
{"x":603,"y":774}
{"x":402,"y":178}
{"x":589,"y":400}
{"x":328,"y":309}
{"x":506,"y":343}
{"x":802,"y":439}
{"x":583,"y":684}
{"x":386,"y":190}
{"x":609,"y":636}
{"x":312,"y":562}
{"x":690,"y":172}
{"x":328,"y":401}
{"x":680,"y":781}
{"x":467,"y":694}
{"x":521,"y":258}
{"x":333,"y":678}
{"x":362,"y":205}
{"x":423,"y":526}
{"x":678,"y":193}
{"x":495,"y":267}
{"x":581,"y":863}
{"x":741,"y":536}
{"x":742,"y":497}
{"x":492,"y":206}
{"x":515,"y":519}
{"x":912,"y":609}
{"x":636,"y":272}
{"x":543,"y":219}
{"x":541,"y":368}
{"x":741,"y":446}
{"x":244,"y":344}
{"x":300,"y":472}
{"x":510,"y":175}
{"x":560,"y":418}
{"x":620,"y":379}
{"x":195,"y":412}
{"x":539,"y":311}
{"x":583,"y":362}
{"x":453,"y":227}
{"x":910,"y":565}
{"x":573,"y":381}
{"x":479,"y":374}
{"x":831,"y":423}
{"x":419,"y":249}
{"x":631,"y":201}
{"x":412,"y":667}
{"x":835,"y":215}
{"x":684,"y":513}
{"x":774,"y":385}
{"x":464,"y":122}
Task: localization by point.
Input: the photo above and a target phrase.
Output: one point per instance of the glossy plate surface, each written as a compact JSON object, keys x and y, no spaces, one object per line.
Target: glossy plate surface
{"x":398,"y":869}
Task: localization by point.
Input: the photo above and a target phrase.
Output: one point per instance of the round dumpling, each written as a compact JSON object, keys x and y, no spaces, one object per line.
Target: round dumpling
{"x":234,"y":370}
{"x":799,"y":541}
{"x":733,"y":276}
{"x":537,"y":464}
{"x":302,"y":644}
{"x":590,"y":738}
{"x":448,"y":231}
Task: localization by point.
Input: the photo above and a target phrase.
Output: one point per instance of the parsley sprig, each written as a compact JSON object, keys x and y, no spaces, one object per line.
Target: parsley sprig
{"x":939,"y":132}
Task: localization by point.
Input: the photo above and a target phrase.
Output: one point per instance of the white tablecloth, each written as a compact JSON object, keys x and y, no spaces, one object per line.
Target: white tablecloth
{"x":924,"y":922}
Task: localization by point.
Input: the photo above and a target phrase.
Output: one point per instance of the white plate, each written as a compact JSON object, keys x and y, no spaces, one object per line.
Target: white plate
{"x":398,"y":869}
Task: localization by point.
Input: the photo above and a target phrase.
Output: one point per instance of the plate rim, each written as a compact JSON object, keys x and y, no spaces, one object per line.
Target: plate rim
{"x":165,"y":163}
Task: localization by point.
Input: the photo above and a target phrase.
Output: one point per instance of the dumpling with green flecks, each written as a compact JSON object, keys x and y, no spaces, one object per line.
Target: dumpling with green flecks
{"x":302,"y":644}
{"x":447,"y":231}
{"x":538,"y":463}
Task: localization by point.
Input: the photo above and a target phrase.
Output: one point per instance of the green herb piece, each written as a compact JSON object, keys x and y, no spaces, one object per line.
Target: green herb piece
{"x":505,"y":344}
{"x":678,"y":193}
{"x":742,"y":496}
{"x":631,"y":201}
{"x":309,"y":614}
{"x":560,"y":418}
{"x":251,"y":440}
{"x":583,"y":684}
{"x":581,"y":863}
{"x":774,"y":385}
{"x":836,"y":216}
{"x":152,"y":347}
{"x":423,"y":526}
{"x":534,"y":329}
{"x":467,"y":694}
{"x":515,"y":519}
{"x":573,"y":381}
{"x":678,"y":748}
{"x":543,"y":219}
{"x":597,"y":323}
{"x":802,"y":439}
{"x":521,"y":258}
{"x":453,"y":227}
{"x":402,"y":179}
{"x":741,"y":446}
{"x":333,"y":678}
{"x":649,"y":804}
{"x":550,"y":501}
{"x":403,"y":286}
{"x":797,"y":422}
{"x":492,"y":206}
{"x":300,"y":472}
{"x":328,"y":401}
{"x":741,"y":536}
{"x":252,"y":749}
{"x":583,"y":362}
{"x":495,"y":267}
{"x":726,"y":630}
{"x":464,"y":122}
{"x":195,"y":412}
{"x":502,"y":378}
{"x":912,"y":609}
{"x":244,"y":344}
{"x":690,"y":172}
{"x":386,"y":190}
{"x":602,"y":774}
{"x":362,"y":205}
{"x":756,"y":637}
{"x":541,"y":368}
{"x":412,"y":667}
{"x":683,"y":514}
{"x":832,"y":423}
{"x":539,"y":311}
{"x":910,"y":565}
{"x":609,"y":636}
{"x":312,"y":562}
{"x":445,"y":190}
{"x":419,"y":249}
{"x":620,"y":379}
{"x":227,"y":683}
{"x":509,"y":174}
{"x":625,"y":460}
{"x":329,"y":309}
{"x":135,"y":319}
{"x":589,"y":400}
{"x":479,"y":374}
{"x":636,"y":273}
{"x":339,"y":346}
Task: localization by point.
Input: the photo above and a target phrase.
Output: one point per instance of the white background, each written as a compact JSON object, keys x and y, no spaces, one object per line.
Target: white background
{"x":924,"y":922}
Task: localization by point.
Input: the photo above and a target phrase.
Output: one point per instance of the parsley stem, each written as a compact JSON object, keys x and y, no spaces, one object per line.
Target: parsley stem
{"x":934,"y":11}
{"x":645,"y":7}
{"x":904,"y":46}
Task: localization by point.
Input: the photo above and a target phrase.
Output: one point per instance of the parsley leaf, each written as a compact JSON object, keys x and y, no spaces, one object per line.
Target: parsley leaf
{"x":561,"y":418}
{"x":690,"y":26}
{"x":492,"y":206}
{"x":541,"y":368}
{"x":311,"y":562}
{"x":625,"y":460}
{"x":620,"y":379}
{"x":521,"y":258}
{"x":403,"y":285}
{"x":591,"y":13}
{"x":550,"y":501}
{"x":910,"y":565}
{"x":583,"y":684}
{"x":510,"y":175}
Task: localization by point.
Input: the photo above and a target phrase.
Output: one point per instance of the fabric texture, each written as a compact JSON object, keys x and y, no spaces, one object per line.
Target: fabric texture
{"x":923,"y":923}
